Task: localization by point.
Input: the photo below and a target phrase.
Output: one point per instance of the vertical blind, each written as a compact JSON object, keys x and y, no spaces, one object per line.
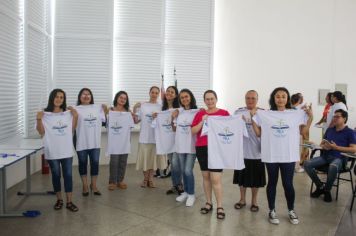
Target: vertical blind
{"x":106,"y":45}
{"x":37,"y":60}
{"x":11,"y":67}
{"x":83,"y":48}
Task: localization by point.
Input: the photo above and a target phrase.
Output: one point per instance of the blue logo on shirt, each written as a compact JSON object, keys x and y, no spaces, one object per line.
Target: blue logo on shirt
{"x":90,"y":121}
{"x":116,"y":128}
{"x":226,"y":135}
{"x":167,"y":125}
{"x":280,"y":129}
{"x":60,"y":128}
{"x":184,"y":127}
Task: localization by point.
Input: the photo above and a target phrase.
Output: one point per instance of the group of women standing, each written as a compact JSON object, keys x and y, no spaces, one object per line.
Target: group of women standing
{"x":187,"y":122}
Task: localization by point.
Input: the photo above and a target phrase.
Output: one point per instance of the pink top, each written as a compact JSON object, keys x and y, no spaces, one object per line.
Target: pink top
{"x":203,"y":141}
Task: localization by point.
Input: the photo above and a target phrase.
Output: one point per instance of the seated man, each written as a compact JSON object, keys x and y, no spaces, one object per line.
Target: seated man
{"x":338,"y":138}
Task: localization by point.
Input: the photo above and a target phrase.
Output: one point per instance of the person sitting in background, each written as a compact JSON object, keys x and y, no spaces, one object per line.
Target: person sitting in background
{"x":338,"y":138}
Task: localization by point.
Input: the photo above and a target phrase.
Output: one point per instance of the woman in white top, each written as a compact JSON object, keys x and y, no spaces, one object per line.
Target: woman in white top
{"x":146,"y":156}
{"x":57,"y":104}
{"x":87,"y":138}
{"x":118,"y":162}
{"x":339,"y":102}
{"x":280,"y":129}
{"x":185,"y":144}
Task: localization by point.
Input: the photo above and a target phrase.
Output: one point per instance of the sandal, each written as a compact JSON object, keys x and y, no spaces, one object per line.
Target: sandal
{"x":144,"y":184}
{"x":58,"y":205}
{"x":205,"y":210}
{"x":239,"y":205}
{"x":112,"y":187}
{"x":151,"y":184}
{"x":220,"y":214}
{"x":254,"y":208}
{"x":70,"y":206}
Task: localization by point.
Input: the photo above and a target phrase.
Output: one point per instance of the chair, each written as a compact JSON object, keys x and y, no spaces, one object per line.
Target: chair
{"x":346,"y":169}
{"x":353,"y":193}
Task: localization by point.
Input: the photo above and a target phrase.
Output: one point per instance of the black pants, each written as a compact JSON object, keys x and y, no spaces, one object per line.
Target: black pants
{"x":287,"y":173}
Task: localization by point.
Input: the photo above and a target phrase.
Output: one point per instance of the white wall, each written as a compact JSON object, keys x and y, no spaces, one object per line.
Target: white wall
{"x":303,"y":45}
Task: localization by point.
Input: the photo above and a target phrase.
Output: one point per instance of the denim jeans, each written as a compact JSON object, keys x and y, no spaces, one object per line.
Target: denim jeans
{"x":176,"y":172}
{"x":93,"y":155}
{"x":186,"y":164}
{"x":335,"y":165}
{"x":55,"y":166}
{"x":287,"y":173}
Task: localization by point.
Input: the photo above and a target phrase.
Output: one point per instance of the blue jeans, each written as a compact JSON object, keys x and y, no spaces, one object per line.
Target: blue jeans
{"x":287,"y":173}
{"x":186,"y":164}
{"x":176,"y":172}
{"x":55,"y":166}
{"x":93,"y":155}
{"x":335,"y":165}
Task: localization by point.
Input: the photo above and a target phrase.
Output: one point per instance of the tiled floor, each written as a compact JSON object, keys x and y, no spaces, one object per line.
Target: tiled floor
{"x":139,"y":211}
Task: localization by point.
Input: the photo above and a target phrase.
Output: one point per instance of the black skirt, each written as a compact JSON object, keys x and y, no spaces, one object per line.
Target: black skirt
{"x":253,"y":176}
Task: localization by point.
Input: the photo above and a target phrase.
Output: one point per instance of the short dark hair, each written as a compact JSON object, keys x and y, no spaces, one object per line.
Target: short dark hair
{"x":295,"y":98}
{"x":117,"y":95}
{"x":193,"y":102}
{"x":52,"y":96}
{"x":80,"y":94}
{"x":210,"y":91}
{"x":343,"y":113}
{"x":272,"y":102}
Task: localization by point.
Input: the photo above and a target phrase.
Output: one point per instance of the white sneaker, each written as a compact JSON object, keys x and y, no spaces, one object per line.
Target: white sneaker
{"x":190,"y":200}
{"x":293,"y":218}
{"x":273,"y":218}
{"x":182,"y":197}
{"x":299,"y":170}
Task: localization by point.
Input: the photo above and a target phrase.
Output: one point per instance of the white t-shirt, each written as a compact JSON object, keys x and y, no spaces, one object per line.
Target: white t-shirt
{"x":164,"y":133}
{"x":147,"y":134}
{"x":88,"y":130}
{"x":119,"y":132}
{"x":252,"y":143}
{"x":333,"y":108}
{"x":280,"y":134}
{"x":184,"y":140}
{"x":58,"y":137}
{"x":225,"y":141}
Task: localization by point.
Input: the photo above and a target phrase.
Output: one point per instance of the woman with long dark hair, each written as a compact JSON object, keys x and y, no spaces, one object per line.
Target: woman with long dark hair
{"x":280,"y":130}
{"x":88,"y":138}
{"x":339,"y":102}
{"x":56,"y":125}
{"x":121,"y":145}
{"x":185,"y":144}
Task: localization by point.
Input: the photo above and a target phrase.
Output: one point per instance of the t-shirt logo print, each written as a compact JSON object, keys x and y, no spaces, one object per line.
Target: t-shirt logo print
{"x":226,"y":135}
{"x":60,"y":128}
{"x":185,"y":127}
{"x":90,"y":121}
{"x":116,"y":128}
{"x":280,"y":129}
{"x":167,"y":125}
{"x":149,"y":118}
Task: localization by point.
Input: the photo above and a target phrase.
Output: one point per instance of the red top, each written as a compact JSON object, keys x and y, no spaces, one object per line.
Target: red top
{"x":203,"y":141}
{"x":326,"y":110}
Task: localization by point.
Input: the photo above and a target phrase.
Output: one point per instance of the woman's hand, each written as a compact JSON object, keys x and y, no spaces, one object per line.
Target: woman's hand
{"x":175,"y":114}
{"x":39,"y":115}
{"x":73,"y":111}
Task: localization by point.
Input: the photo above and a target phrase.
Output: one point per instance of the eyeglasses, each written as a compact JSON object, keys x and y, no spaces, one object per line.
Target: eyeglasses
{"x":336,"y":117}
